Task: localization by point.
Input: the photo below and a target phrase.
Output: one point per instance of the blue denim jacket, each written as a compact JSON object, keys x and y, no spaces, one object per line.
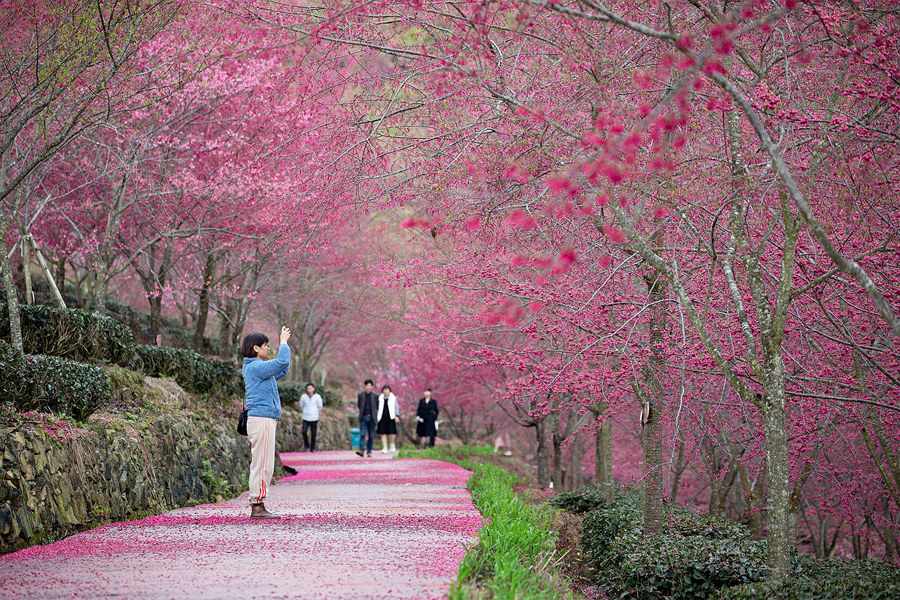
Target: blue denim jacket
{"x":259,"y":383}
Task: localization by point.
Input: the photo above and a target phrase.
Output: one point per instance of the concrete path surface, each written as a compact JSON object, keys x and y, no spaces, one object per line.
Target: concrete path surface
{"x":353,"y":528}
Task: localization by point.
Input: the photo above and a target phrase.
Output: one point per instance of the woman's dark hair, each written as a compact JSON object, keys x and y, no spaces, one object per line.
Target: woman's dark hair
{"x":427,"y":389}
{"x":385,"y":387}
{"x":312,"y":385}
{"x":252,"y":339}
{"x":368,"y":381}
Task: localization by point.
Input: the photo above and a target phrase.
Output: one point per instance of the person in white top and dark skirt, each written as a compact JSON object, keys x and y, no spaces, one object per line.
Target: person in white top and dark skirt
{"x":387,"y":418}
{"x":310,"y":404}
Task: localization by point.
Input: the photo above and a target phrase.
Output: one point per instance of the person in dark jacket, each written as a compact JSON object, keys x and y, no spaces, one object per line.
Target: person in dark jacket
{"x":427,"y":415}
{"x":367,"y":402}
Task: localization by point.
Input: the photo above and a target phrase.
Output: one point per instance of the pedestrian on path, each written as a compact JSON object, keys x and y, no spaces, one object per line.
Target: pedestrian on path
{"x":264,"y":412}
{"x":388,"y":416}
{"x":367,"y":403}
{"x":426,"y":417}
{"x":310,"y":404}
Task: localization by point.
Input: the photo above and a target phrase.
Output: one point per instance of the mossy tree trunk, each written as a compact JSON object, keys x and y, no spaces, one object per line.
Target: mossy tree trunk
{"x":603,"y":463}
{"x":543,"y":452}
{"x":203,"y":302}
{"x":12,"y":293}
{"x":652,"y":398}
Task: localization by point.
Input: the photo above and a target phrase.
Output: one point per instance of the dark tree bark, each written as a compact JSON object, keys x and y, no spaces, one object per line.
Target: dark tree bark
{"x":543,"y":453}
{"x":652,"y":400}
{"x":203,"y":302}
{"x":677,"y":470}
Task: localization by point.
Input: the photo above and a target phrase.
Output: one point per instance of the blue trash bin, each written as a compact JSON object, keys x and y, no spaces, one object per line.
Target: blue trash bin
{"x":354,"y":438}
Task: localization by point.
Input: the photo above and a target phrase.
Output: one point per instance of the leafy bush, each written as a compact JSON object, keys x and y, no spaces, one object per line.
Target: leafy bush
{"x":52,"y":384}
{"x":173,"y":334}
{"x":330,"y":398}
{"x":674,"y":566}
{"x":700,"y":556}
{"x":695,"y":555}
{"x":833,"y":579}
{"x":588,"y":498}
{"x":192,"y":371}
{"x":71,"y":333}
{"x":290,"y":392}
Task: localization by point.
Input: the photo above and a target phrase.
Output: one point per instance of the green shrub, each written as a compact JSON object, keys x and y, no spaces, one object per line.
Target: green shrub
{"x":10,"y":375}
{"x":192,"y":371}
{"x":290,"y":392}
{"x":71,"y":333}
{"x":695,"y":556}
{"x":173,"y":334}
{"x":834,"y":579}
{"x":52,"y":384}
{"x":588,"y":498}
{"x":330,"y":398}
{"x":601,"y":527}
{"x":674,"y":566}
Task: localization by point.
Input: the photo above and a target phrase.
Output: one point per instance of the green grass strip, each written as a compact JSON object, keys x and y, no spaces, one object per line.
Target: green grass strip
{"x":513,"y":557}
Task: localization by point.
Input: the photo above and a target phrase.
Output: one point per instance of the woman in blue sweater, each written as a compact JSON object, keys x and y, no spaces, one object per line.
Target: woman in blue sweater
{"x":263,"y":411}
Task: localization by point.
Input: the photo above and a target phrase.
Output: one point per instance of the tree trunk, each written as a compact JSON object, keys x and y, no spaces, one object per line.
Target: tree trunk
{"x":778,"y":518}
{"x":653,"y":402}
{"x":225,"y":333}
{"x":26,"y":267}
{"x":61,"y":272}
{"x":653,"y":480}
{"x":203,"y":302}
{"x":575,"y":479}
{"x":12,"y":293}
{"x":97,"y":300}
{"x":464,"y":434}
{"x":678,"y":469}
{"x":158,"y":286}
{"x":750,"y":488}
{"x":716,"y":483}
{"x":603,"y":458}
{"x":557,"y":438}
{"x":543,"y":453}
{"x":45,"y":268}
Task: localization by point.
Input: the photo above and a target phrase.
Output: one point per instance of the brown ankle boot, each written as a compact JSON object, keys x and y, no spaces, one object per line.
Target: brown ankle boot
{"x":258,"y":511}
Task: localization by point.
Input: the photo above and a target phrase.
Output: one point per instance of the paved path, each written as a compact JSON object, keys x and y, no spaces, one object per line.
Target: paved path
{"x":353,"y":528}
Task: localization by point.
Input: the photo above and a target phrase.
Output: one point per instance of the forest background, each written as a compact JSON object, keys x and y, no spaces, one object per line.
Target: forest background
{"x":647,"y":243}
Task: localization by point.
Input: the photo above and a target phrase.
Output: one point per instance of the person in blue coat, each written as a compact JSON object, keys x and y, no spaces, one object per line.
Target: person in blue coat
{"x":263,"y":411}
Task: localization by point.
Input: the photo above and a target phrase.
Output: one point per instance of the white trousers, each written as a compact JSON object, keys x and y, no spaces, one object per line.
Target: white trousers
{"x":261,"y":431}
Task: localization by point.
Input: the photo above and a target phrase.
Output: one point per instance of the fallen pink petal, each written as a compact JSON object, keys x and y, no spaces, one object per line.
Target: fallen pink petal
{"x":380,"y":529}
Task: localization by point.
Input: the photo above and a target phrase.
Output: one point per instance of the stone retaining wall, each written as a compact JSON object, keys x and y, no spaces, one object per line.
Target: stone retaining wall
{"x":115,"y":471}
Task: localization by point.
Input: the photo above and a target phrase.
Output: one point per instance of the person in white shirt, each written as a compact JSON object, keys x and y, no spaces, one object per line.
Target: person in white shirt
{"x":387,"y":418}
{"x":310,"y":404}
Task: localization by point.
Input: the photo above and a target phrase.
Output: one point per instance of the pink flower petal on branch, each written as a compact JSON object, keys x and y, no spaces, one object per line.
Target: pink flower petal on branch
{"x":614,"y":234}
{"x":522,"y":220}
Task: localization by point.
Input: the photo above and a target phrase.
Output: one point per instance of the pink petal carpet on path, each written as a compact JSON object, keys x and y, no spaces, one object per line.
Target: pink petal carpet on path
{"x":352,"y":528}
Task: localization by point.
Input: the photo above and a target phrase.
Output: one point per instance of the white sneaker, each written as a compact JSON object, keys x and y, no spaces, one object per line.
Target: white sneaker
{"x":384,"y":450}
{"x":393,"y":448}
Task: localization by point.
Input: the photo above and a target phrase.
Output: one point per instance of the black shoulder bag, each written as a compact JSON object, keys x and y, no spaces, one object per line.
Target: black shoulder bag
{"x":242,"y":421}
